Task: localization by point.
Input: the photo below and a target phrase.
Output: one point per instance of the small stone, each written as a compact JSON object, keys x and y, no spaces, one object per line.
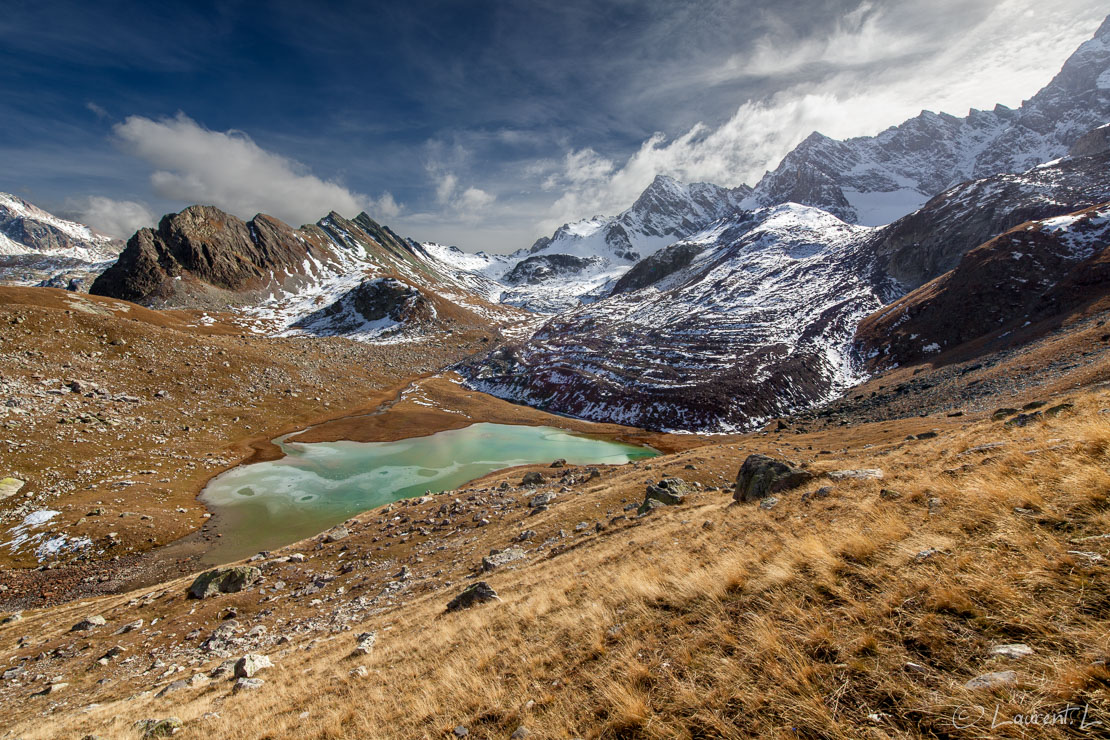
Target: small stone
{"x":460,"y":731}
{"x":860,"y":474}
{"x":532,"y":479}
{"x":247,"y":684}
{"x":496,"y":560}
{"x":89,"y":623}
{"x":911,"y":667}
{"x":768,"y":503}
{"x":541,"y":499}
{"x":520,"y":733}
{"x":175,"y":686}
{"x":993,"y":680}
{"x":560,"y":463}
{"x":224,"y":580}
{"x":925,"y":554}
{"x":10,"y":487}
{"x":1014,"y":651}
{"x":337,"y":534}
{"x":364,"y":643}
{"x":159,"y":727}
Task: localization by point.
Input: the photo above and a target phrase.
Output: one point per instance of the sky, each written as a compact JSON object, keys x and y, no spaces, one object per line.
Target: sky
{"x":480,"y":123}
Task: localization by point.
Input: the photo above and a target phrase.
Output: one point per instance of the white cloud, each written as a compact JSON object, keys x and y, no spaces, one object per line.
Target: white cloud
{"x":116,"y":218}
{"x":469,"y":204}
{"x":230,"y":171}
{"x":872,"y":75}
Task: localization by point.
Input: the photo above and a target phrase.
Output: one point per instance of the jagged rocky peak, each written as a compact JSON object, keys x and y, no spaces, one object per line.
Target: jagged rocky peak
{"x":877,"y":179}
{"x":202,"y":250}
{"x":931,"y":241}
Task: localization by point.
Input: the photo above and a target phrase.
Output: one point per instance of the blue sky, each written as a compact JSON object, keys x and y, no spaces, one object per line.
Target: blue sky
{"x":483,"y":124}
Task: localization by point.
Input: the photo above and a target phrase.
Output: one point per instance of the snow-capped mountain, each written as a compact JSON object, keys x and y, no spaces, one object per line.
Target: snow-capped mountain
{"x":755,"y":316}
{"x":753,"y":320}
{"x":931,"y":241}
{"x":582,"y":260}
{"x":876,"y":179}
{"x":26,"y":229}
{"x":38,"y":248}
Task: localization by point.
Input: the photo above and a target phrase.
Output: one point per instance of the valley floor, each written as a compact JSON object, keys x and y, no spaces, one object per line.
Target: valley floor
{"x":852,"y":608}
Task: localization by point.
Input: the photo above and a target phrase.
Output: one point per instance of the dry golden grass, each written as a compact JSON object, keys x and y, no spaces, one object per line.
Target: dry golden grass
{"x":817,"y":619}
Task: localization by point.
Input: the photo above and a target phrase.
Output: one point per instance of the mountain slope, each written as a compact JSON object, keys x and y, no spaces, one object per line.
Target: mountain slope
{"x":931,"y":241}
{"x":1036,"y":271}
{"x":876,"y":179}
{"x":756,"y":323}
{"x":38,"y":248}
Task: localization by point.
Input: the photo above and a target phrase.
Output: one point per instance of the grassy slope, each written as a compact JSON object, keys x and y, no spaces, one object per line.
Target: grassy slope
{"x":704,"y":620}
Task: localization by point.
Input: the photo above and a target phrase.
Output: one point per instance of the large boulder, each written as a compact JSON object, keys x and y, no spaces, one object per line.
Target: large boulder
{"x":478,"y":593}
{"x":251,"y":664}
{"x":760,"y":476}
{"x":497,"y":558}
{"x":224,"y":581}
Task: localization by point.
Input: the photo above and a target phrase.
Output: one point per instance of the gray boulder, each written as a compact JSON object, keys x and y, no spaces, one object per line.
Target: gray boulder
{"x":251,"y":664}
{"x":478,"y":593}
{"x":224,"y":581}
{"x":994,"y":680}
{"x":760,"y":476}
{"x":502,"y":557}
{"x":89,"y":623}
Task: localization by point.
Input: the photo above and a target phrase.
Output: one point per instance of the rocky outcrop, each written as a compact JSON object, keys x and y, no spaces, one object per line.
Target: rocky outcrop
{"x":384,"y":305}
{"x":541,"y":268}
{"x":200,"y":251}
{"x":654,"y":268}
{"x":931,"y":241}
{"x":478,"y":593}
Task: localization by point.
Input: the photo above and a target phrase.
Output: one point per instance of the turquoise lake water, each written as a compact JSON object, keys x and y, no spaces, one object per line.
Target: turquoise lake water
{"x":316,"y":485}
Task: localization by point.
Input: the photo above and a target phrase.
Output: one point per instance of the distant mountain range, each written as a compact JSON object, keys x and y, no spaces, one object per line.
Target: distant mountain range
{"x":700,"y":308}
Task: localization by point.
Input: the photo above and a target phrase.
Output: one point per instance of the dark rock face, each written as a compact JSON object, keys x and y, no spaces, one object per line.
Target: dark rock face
{"x":478,"y":593}
{"x":371,"y":302}
{"x":541,"y":268}
{"x":931,"y":241}
{"x":1033,"y":272}
{"x":200,"y":248}
{"x":654,"y":268}
{"x":760,"y":476}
